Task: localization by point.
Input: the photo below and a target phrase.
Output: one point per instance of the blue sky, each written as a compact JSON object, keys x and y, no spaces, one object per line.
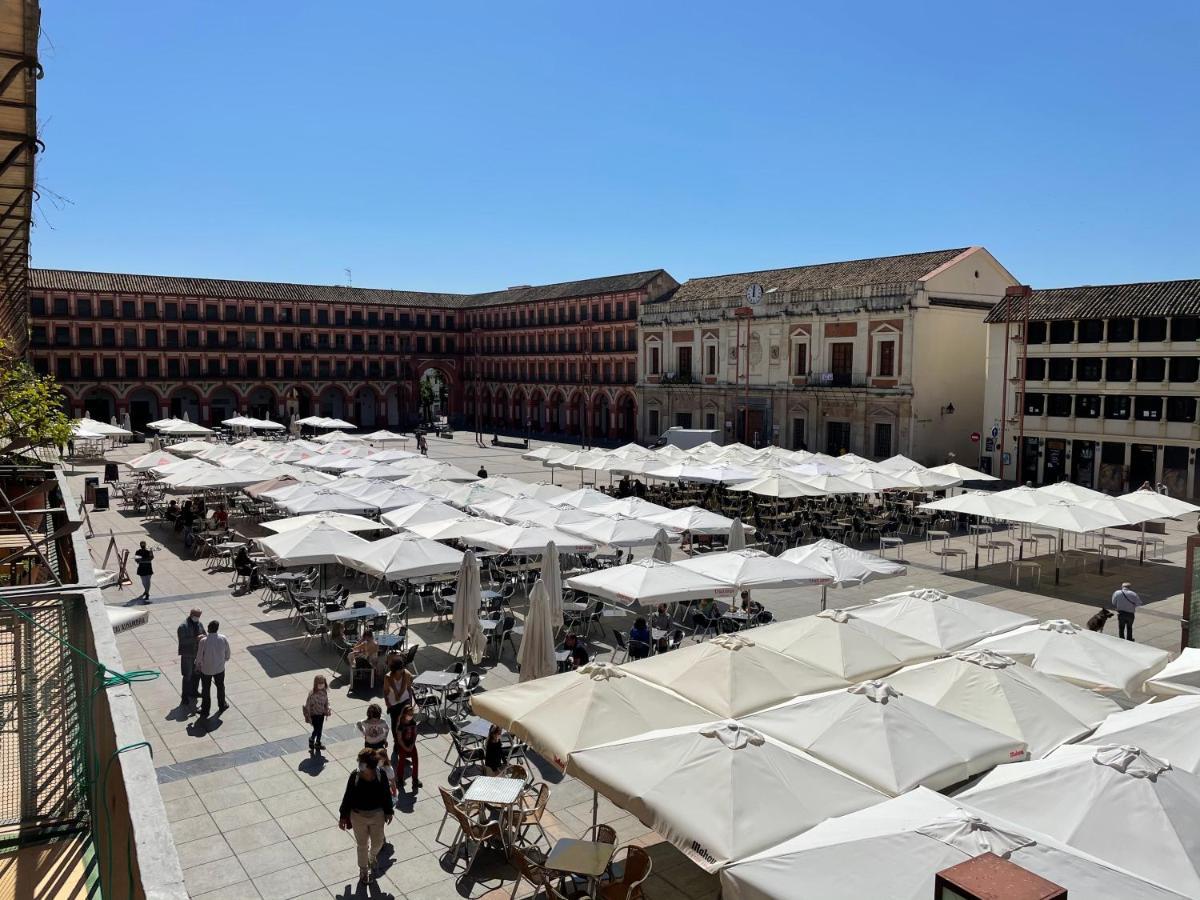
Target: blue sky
{"x":473,"y":145}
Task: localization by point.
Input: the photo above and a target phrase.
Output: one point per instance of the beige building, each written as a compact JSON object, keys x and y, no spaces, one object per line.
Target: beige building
{"x":875,"y":356}
{"x":1097,"y":385}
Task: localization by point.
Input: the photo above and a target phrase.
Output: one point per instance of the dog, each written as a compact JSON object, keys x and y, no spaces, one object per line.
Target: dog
{"x":1096,"y":622}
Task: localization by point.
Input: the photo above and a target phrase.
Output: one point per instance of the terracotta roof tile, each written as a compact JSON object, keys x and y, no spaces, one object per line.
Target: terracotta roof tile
{"x":1148,"y":298}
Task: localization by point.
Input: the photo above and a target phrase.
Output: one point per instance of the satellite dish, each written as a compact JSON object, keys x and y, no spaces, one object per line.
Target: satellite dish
{"x":754,"y":294}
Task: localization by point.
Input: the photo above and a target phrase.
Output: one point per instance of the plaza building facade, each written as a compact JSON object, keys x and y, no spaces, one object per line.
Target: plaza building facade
{"x":1097,"y":385}
{"x":875,"y":356}
{"x":556,"y":359}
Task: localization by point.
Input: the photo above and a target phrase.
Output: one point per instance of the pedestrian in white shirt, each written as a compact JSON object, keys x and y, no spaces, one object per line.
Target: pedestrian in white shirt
{"x":211,"y":656}
{"x":1125,"y":601}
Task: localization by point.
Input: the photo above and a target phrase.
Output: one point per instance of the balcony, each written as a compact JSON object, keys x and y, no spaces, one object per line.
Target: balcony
{"x":837,"y":380}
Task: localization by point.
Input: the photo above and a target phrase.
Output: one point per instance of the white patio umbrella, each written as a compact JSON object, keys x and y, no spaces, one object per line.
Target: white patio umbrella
{"x":343,"y":521}
{"x":707,"y":473}
{"x":340,"y":423}
{"x":421,"y":511}
{"x":392,"y":455}
{"x":647,"y":582}
{"x":399,"y":557}
{"x":153,"y":460}
{"x":995,"y":691}
{"x":1075,"y":493}
{"x":389,"y":497}
{"x":974,"y":503}
{"x":463,"y":495}
{"x":188,"y":448}
{"x":535,"y":656}
{"x":594,"y":704}
{"x":898,"y":463}
{"x":583,"y":498}
{"x":875,"y":480}
{"x":839,"y":642}
{"x":844,"y":565}
{"x":368,"y":469}
{"x":525,"y":538}
{"x":895,"y":849}
{"x":453,"y":529}
{"x":756,"y":790}
{"x":312,"y":421}
{"x":941,"y":619}
{"x":383,"y":436}
{"x":732,"y":675}
{"x":737,"y":535}
{"x":510,"y":509}
{"x":443,"y":472}
{"x":323,"y":499}
{"x":159,"y":423}
{"x":552,"y":580}
{"x":1180,"y":676}
{"x":1166,"y":507}
{"x":662,"y":546}
{"x":541,"y":491}
{"x":317,"y":545}
{"x":888,"y":740}
{"x":210,"y":478}
{"x":1165,"y":728}
{"x":826,"y":483}
{"x":962,"y":473}
{"x":920,"y":478}
{"x":778,"y":484}
{"x":467,"y":631}
{"x":692,"y":519}
{"x":505,"y":484}
{"x":103,"y":429}
{"x":1099,"y":662}
{"x":1117,"y":803}
{"x":615,"y":531}
{"x":542,"y":453}
{"x":633,"y":507}
{"x":753,"y":568}
{"x":553,"y":517}
{"x":183,"y":429}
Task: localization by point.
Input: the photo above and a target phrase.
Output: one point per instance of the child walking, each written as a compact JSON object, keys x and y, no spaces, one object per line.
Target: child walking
{"x":406,"y":747}
{"x":316,"y":708}
{"x":374,"y":729}
{"x":387,"y":771}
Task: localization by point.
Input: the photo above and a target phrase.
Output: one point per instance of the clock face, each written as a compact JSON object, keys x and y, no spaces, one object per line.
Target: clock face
{"x":754,"y":293}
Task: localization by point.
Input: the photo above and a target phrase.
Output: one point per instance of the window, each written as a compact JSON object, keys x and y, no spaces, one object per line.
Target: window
{"x":62,"y":368}
{"x":886,"y":367}
{"x":1116,"y":407}
{"x":151,"y":337}
{"x":1091,"y":331}
{"x":339,"y":317}
{"x":710,"y":420}
{"x":193,"y":339}
{"x":37,"y":335}
{"x":85,"y":337}
{"x":1087,"y":406}
{"x":171,"y":311}
{"x":108,"y":367}
{"x":1090,"y":368}
{"x":87,"y":367}
{"x":798,"y":442}
{"x":841,"y":362}
{"x":1147,"y":409}
{"x":153,"y":370}
{"x":305,"y":315}
{"x":289,"y":340}
{"x":1181,"y":409}
{"x":83,"y":308}
{"x":128,"y":309}
{"x":1184,"y":368}
{"x":1058,"y":405}
{"x":1035,"y":404}
{"x":1151,"y":368}
{"x":655,"y":361}
{"x":1037,"y":333}
{"x":107,"y":308}
{"x":62,"y":336}
{"x":883,"y":439}
{"x":60,"y":306}
{"x":1035,"y":368}
{"x":131,"y":368}
{"x":270,"y":369}
{"x":41,"y":365}
{"x":250,"y":314}
{"x":1185,"y":328}
{"x":252,"y":368}
{"x":268,"y":315}
{"x":212,"y":338}
{"x":150,"y":309}
{"x":1152,"y":328}
{"x":1062,"y":332}
{"x":1120,"y":330}
{"x":191,"y":312}
{"x":651,"y":419}
{"x":232,"y":367}
{"x":37,"y":306}
{"x":710,"y":359}
{"x":108,"y":337}
{"x":193,"y":368}
{"x":683,"y":362}
{"x":1061,"y":369}
{"x":683,"y":420}
{"x":214,"y":368}
{"x":211,"y":312}
{"x":322,"y":316}
{"x":173,"y":367}
{"x":1118,"y":368}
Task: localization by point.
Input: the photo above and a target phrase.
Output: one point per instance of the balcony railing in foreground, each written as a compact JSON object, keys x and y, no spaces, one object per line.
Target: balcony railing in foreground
{"x":80,"y":811}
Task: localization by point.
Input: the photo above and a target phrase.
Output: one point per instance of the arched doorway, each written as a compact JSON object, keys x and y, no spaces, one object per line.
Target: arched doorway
{"x":600,"y":421}
{"x":537,"y":411}
{"x":393,"y":408}
{"x":485,"y":408}
{"x":144,"y":406}
{"x":332,"y":403}
{"x":438,"y":400}
{"x":366,"y":406}
{"x":627,"y":417}
{"x":555,"y":413}
{"x":185,"y":404}
{"x":261,"y":403}
{"x":517,"y":405}
{"x":577,"y":414}
{"x":100,"y":404}
{"x":222,"y":405}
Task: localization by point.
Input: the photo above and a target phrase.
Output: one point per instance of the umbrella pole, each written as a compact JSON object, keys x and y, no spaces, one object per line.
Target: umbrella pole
{"x":824,"y":590}
{"x":1101,"y":572}
{"x":976,"y":536}
{"x":595,"y":811}
{"x":1058,"y":556}
{"x":1142,"y":551}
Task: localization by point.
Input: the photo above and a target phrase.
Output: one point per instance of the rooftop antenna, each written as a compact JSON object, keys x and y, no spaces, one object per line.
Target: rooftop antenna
{"x":349,"y":279}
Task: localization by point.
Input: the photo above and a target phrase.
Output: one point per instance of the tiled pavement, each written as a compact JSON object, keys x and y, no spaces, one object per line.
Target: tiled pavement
{"x":255,"y":816}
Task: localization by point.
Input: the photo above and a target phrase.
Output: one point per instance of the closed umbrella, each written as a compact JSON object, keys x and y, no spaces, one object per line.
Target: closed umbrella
{"x":895,"y":850}
{"x":1166,"y":729}
{"x":552,"y":578}
{"x":467,"y":631}
{"x":890,"y":741}
{"x":535,"y":656}
{"x":1115,"y":802}
{"x":719,"y":791}
{"x":662,"y":546}
{"x":1090,"y":659}
{"x":999,"y":693}
{"x":737,"y":536}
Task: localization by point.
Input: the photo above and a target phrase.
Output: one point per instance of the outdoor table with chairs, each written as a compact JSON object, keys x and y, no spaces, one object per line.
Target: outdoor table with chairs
{"x":571,"y":856}
{"x":366,"y":611}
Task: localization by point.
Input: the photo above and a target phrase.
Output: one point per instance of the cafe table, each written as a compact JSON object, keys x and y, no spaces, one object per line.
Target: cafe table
{"x":502,"y":794}
{"x":370,"y":611}
{"x":572,"y":856}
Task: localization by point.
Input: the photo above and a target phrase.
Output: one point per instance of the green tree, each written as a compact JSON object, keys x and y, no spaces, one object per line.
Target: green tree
{"x":427,"y":400}
{"x":31,"y":414}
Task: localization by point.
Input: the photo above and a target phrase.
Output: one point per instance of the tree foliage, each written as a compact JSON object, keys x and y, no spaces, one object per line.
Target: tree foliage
{"x":31,"y":413}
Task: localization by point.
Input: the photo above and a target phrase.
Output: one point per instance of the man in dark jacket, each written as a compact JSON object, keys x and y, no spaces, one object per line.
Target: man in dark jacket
{"x":189,"y":634}
{"x":366,"y":808}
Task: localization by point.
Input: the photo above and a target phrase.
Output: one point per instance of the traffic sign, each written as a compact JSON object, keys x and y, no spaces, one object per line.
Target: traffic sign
{"x":974,"y":437}
{"x":995,"y":431}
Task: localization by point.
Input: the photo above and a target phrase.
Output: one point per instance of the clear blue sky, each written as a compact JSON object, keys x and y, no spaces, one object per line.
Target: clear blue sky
{"x":473,"y":145}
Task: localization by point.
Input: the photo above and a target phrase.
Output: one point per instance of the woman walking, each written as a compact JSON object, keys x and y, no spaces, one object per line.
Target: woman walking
{"x":397,"y":688}
{"x":316,"y":708}
{"x":145,"y":569}
{"x":366,"y":808}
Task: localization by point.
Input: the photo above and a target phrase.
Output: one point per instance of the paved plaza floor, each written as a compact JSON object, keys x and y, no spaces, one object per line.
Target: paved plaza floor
{"x":254,"y":815}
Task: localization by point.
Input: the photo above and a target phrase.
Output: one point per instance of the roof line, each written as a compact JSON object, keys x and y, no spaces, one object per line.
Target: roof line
{"x":817,"y":265}
{"x":948,"y":263}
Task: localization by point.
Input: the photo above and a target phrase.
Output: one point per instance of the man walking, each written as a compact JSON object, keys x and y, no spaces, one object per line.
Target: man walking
{"x":211,"y":656}
{"x":189,"y":634}
{"x":145,"y":569}
{"x":1125,"y":602}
